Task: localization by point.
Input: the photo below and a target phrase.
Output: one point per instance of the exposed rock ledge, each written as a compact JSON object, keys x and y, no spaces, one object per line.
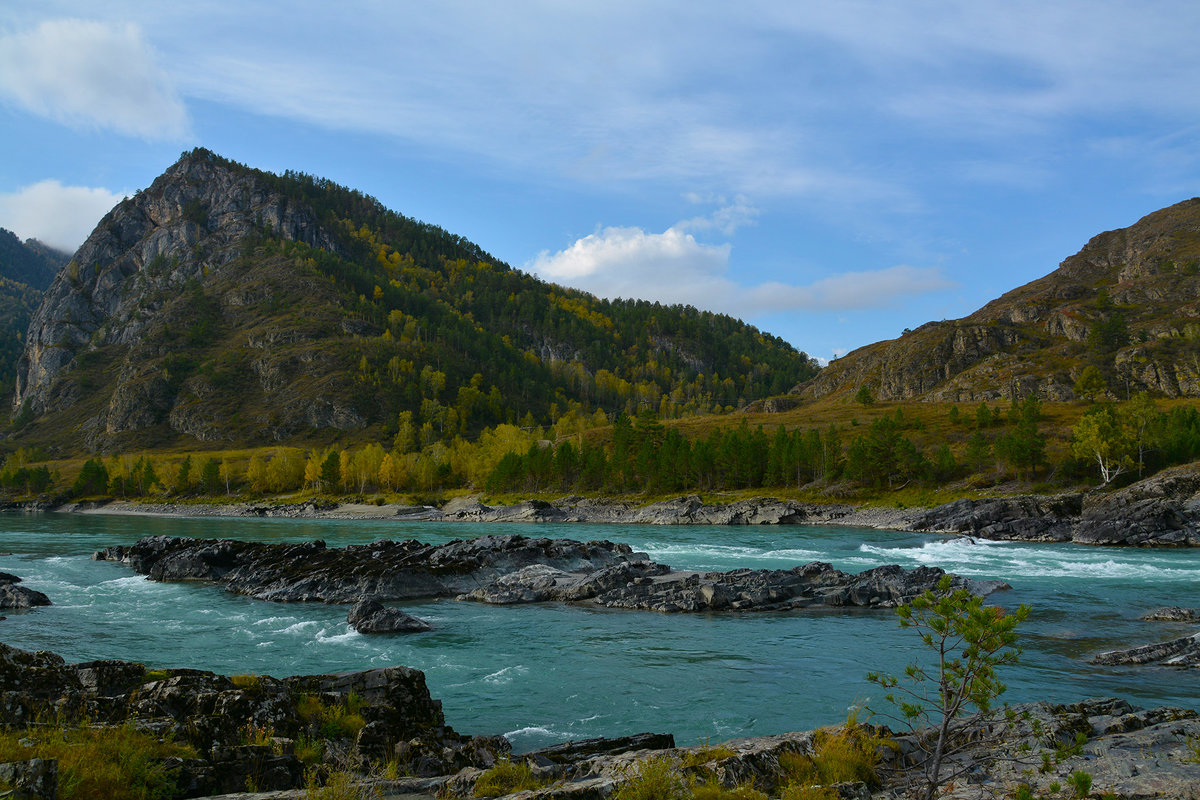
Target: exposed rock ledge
{"x":211,"y":713}
{"x":1130,"y":752}
{"x":512,"y":569}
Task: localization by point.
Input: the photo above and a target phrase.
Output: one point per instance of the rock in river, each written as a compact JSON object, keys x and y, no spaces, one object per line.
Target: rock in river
{"x":371,"y":616}
{"x":1181,"y":652}
{"x":515,"y":569}
{"x":14,"y":596}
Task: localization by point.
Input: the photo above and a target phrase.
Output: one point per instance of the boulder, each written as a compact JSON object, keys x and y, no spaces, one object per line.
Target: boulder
{"x":371,"y":616}
{"x":1181,"y":652}
{"x":19,"y":597}
{"x":1172,"y":614}
{"x":35,"y":779}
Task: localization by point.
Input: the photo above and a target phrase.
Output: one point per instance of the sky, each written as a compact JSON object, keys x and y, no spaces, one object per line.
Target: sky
{"x":832,"y":172}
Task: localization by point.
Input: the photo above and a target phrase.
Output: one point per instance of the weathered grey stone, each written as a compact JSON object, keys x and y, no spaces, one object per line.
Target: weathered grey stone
{"x":19,"y":597}
{"x":36,"y":779}
{"x":1172,"y":614}
{"x":371,"y":616}
{"x":1181,"y":652}
{"x":384,"y":570}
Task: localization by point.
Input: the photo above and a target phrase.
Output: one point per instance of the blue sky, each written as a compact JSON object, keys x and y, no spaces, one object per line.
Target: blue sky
{"x":832,"y":172}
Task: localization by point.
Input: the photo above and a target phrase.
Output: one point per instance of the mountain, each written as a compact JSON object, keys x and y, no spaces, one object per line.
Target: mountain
{"x":228,"y":304}
{"x":30,"y":262}
{"x":1128,"y":304}
{"x":26,"y":269}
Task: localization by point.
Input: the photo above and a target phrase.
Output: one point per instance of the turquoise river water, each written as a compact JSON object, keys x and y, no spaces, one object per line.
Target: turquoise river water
{"x":547,"y":673}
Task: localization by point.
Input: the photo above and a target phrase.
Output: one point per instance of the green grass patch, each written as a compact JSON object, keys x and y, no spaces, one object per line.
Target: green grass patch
{"x":100,"y":763}
{"x":505,"y":778}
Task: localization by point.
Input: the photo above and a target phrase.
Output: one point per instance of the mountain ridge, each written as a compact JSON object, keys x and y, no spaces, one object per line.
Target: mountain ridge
{"x":1128,"y":303}
{"x":224,"y":303}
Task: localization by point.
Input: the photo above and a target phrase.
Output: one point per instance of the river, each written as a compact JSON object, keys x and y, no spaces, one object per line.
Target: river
{"x":548,"y":673}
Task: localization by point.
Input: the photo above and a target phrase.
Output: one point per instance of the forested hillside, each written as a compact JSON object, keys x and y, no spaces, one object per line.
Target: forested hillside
{"x":226,"y":304}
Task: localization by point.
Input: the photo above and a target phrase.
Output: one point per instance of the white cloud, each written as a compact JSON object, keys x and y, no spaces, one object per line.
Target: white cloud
{"x":61,"y":216}
{"x":673,"y":267}
{"x":726,"y":219}
{"x":625,"y":259}
{"x":91,"y":74}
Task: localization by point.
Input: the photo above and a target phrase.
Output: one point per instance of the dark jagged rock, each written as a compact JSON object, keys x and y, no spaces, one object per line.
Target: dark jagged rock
{"x":35,"y":779}
{"x":648,"y":586}
{"x":1172,"y":614}
{"x":212,"y":712}
{"x":1181,"y":652}
{"x":371,"y":616}
{"x":14,"y":596}
{"x":1038,"y":519}
{"x":1162,"y":510}
{"x":384,"y":570}
{"x":512,"y":569}
{"x":1130,"y":752}
{"x":580,"y":750}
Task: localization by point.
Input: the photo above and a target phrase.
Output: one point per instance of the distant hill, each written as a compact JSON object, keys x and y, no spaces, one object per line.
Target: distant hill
{"x":226,"y":304}
{"x":30,"y":262}
{"x":1127,"y":303}
{"x":26,"y":269}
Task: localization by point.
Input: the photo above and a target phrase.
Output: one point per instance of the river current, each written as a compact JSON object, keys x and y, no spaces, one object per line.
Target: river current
{"x":548,"y":673}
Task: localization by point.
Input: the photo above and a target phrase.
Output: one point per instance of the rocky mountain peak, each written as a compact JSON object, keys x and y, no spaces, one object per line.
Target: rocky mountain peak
{"x":189,"y":223}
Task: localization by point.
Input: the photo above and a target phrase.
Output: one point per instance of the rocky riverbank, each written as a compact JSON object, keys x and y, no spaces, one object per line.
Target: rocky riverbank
{"x":259,"y":731}
{"x":247,"y":729}
{"x":512,"y":569}
{"x":1160,"y":511}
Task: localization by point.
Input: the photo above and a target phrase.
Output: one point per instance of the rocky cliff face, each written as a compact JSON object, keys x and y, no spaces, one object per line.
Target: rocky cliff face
{"x":1128,"y":302}
{"x":140,"y":272}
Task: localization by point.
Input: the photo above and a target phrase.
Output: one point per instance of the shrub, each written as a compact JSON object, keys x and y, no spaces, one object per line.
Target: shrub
{"x":338,"y":720}
{"x":340,"y":784}
{"x":1081,"y":783}
{"x":799,"y":792}
{"x":654,"y":779}
{"x":246,"y":681}
{"x":505,"y":778}
{"x":969,"y":642}
{"x":849,"y":755}
{"x":711,"y":789}
{"x":706,"y":755}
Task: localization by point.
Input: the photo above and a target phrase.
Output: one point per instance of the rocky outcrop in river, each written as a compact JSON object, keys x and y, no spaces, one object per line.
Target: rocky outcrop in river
{"x":371,"y":616}
{"x":383,"y":570}
{"x":513,"y":569}
{"x":1181,"y":652}
{"x":19,"y":597}
{"x":648,"y":586}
